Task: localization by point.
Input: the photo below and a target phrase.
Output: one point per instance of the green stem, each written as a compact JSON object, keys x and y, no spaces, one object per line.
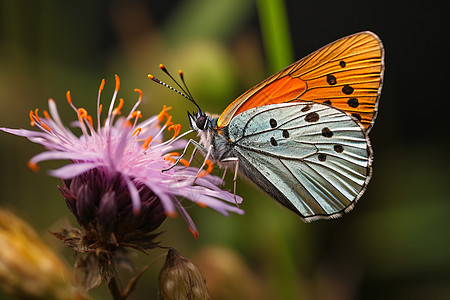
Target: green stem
{"x":275,"y":33}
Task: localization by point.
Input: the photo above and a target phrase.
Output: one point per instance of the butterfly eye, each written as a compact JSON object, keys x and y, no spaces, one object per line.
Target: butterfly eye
{"x":201,"y":121}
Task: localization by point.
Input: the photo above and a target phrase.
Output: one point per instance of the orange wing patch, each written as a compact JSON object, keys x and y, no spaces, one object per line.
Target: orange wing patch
{"x":346,"y":74}
{"x":281,"y":90}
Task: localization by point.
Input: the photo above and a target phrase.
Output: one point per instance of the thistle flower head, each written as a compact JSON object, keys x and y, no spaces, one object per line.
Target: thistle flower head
{"x":118,"y":183}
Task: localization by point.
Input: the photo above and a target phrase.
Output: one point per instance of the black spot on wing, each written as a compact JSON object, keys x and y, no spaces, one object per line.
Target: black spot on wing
{"x":306,"y":108}
{"x":273,"y":141}
{"x":326,"y":132}
{"x":312,"y":117}
{"x":346,"y":89}
{"x":273,"y":123}
{"x":353,"y":102}
{"x":331,"y":79}
{"x":338,"y":148}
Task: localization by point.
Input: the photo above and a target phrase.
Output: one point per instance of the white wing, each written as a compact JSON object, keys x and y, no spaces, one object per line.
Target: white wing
{"x":313,"y":158}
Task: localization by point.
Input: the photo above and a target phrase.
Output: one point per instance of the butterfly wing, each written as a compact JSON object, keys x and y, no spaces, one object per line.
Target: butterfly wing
{"x":312,"y":158}
{"x":346,"y":74}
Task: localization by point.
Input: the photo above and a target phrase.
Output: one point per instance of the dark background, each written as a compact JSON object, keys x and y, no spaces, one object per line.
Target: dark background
{"x":395,"y":243}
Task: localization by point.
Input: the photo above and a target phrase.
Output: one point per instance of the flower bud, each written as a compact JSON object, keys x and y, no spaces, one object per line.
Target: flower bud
{"x":180,"y":279}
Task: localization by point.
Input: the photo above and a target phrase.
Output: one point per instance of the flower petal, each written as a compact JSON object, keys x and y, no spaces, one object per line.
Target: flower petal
{"x":54,"y":113}
{"x":72,"y":170}
{"x":187,"y":217}
{"x":57,"y":155}
{"x":166,"y":201}
{"x":25,"y":133}
{"x":135,"y":198}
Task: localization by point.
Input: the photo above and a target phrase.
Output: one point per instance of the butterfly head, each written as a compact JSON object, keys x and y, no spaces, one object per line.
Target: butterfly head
{"x":199,"y":121}
{"x":205,"y":126}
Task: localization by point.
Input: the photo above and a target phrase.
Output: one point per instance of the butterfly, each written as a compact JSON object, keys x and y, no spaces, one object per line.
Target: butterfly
{"x":302,"y":134}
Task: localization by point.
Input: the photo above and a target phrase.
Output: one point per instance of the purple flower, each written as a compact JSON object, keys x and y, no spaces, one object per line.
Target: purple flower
{"x":114,"y":181}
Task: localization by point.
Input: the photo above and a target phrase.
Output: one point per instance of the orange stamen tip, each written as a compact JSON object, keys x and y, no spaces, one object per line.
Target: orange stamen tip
{"x":208,"y":170}
{"x":161,"y":66}
{"x":46,"y":127}
{"x":150,"y":76}
{"x":169,"y":120}
{"x":140,"y":93}
{"x":82,"y":112}
{"x":147,"y":142}
{"x":46,"y":115}
{"x":176,"y":129}
{"x":171,"y":214}
{"x":173,"y":154}
{"x":32,"y":122}
{"x":161,"y":115}
{"x":137,"y":131}
{"x":136,"y":114}
{"x":170,"y":158}
{"x":102,"y":85}
{"x":33,"y":167}
{"x":68,"y":97}
{"x":117,"y":83}
{"x":116,"y":110}
{"x":194,"y":233}
{"x":184,"y":162}
{"x":201,"y":204}
{"x":180,"y":72}
{"x":164,"y":113}
{"x":37,"y":115}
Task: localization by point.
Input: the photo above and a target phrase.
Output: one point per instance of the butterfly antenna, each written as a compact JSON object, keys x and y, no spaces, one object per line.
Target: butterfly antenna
{"x":184,"y":92}
{"x":180,"y":72}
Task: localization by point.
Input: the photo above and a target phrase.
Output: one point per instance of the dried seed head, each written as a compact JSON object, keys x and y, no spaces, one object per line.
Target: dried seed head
{"x":29,"y":269}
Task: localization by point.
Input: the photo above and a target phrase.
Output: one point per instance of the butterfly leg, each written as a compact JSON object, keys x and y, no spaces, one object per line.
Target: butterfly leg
{"x":208,"y":154}
{"x":223,"y":176}
{"x":197,"y":146}
{"x":192,"y":155}
{"x":236,"y":169}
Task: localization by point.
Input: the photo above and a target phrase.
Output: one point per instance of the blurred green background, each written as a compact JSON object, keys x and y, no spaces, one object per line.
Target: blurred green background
{"x":393,"y":245}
